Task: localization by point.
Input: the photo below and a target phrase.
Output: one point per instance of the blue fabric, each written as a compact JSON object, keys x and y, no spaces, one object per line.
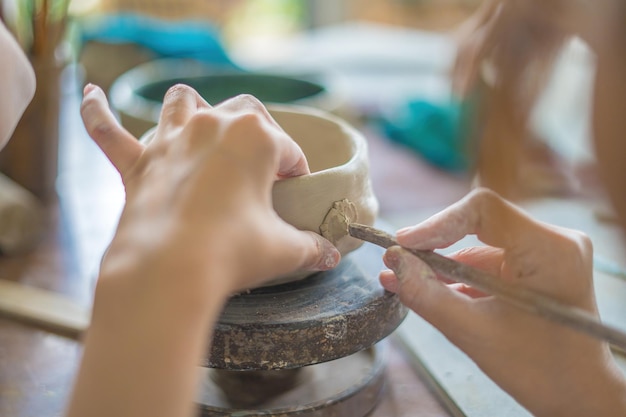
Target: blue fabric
{"x":181,"y":39}
{"x":433,"y":131}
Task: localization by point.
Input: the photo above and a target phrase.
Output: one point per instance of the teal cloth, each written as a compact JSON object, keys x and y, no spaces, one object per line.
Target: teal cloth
{"x":437,"y":132}
{"x":180,"y":39}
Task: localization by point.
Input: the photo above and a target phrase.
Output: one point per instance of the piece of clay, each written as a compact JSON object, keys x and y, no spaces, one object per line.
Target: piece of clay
{"x":335,"y":225}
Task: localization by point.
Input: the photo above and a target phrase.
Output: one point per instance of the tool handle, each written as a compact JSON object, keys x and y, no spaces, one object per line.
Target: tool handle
{"x":524,"y":298}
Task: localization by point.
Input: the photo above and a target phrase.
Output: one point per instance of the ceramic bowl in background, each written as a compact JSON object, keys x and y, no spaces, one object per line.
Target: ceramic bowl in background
{"x":137,"y":94}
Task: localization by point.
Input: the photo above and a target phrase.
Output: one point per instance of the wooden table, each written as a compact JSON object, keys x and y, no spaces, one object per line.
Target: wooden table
{"x":37,"y":367}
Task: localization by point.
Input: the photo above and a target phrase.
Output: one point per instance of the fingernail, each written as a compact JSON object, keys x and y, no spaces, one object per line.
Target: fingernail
{"x":331,"y":257}
{"x":393,"y":259}
{"x":404,"y":230}
{"x":89,"y":88}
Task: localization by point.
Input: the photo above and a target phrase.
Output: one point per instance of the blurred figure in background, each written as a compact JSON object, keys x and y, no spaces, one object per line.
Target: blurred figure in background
{"x":507,"y":51}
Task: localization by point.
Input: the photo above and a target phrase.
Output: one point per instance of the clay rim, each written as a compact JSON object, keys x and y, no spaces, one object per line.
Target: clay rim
{"x":358,"y":144}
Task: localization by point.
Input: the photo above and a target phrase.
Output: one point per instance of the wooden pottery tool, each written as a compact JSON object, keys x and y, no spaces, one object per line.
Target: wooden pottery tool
{"x":521,"y":297}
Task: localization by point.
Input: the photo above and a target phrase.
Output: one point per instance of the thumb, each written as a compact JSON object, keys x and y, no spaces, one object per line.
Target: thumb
{"x":303,"y":250}
{"x":315,"y":252}
{"x":419,"y":289}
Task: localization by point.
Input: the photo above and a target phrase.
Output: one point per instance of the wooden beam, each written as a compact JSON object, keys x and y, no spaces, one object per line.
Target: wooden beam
{"x":45,"y":309}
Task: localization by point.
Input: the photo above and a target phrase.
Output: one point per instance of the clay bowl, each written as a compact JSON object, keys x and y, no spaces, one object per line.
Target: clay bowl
{"x":138,"y":93}
{"x":337,"y":156}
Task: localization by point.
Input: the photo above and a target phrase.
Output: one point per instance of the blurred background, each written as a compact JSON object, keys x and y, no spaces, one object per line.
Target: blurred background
{"x":382,"y":65}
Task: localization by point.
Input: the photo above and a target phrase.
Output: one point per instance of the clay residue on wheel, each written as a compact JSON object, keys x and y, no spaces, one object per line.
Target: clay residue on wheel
{"x":335,"y":224}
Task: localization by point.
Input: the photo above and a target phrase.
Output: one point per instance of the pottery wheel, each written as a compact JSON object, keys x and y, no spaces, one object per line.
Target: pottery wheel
{"x":321,"y":318}
{"x":350,"y":386}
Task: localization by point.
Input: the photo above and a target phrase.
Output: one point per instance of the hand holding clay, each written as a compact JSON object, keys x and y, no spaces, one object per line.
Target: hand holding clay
{"x":199,"y":196}
{"x":544,"y":366}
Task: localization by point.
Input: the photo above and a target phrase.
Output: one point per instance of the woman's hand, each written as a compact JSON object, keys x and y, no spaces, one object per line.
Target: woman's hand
{"x":198,"y":197}
{"x":198,"y":225}
{"x":550,"y":369}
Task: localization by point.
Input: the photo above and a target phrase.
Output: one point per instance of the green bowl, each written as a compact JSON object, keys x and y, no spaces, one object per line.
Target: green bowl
{"x":137,"y":94}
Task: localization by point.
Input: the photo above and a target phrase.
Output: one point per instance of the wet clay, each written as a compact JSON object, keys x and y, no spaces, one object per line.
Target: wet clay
{"x":335,"y":225}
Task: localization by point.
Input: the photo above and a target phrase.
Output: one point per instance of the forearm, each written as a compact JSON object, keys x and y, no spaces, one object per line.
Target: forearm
{"x":600,"y":392}
{"x":198,"y":225}
{"x":142,"y":350}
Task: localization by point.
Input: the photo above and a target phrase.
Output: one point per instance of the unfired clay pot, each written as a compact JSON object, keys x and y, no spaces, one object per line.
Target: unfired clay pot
{"x":339,"y":179}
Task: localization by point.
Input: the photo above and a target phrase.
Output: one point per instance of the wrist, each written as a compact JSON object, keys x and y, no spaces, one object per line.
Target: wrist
{"x":145,"y":322}
{"x":189,"y":286}
{"x":598,"y":388}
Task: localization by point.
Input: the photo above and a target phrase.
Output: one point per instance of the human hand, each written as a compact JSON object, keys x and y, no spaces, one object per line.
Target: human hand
{"x":549,"y":369}
{"x":506,"y":54}
{"x":504,"y":40}
{"x":516,"y":41}
{"x":198,"y":197}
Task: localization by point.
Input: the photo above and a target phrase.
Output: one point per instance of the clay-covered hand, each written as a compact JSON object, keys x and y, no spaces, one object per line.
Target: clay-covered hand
{"x":198,"y":197}
{"x":549,"y":369}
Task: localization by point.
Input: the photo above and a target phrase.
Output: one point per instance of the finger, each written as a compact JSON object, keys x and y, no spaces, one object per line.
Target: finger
{"x":448,"y":310}
{"x":291,"y":160}
{"x":467,"y":290}
{"x":487,"y":10}
{"x":485,"y":258}
{"x":180,"y":103}
{"x":389,"y":281}
{"x":465,"y":69}
{"x":247,"y":103}
{"x":483,"y":213}
{"x":478,"y":38}
{"x":305,"y":251}
{"x":465,"y":66}
{"x":117,"y":143}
